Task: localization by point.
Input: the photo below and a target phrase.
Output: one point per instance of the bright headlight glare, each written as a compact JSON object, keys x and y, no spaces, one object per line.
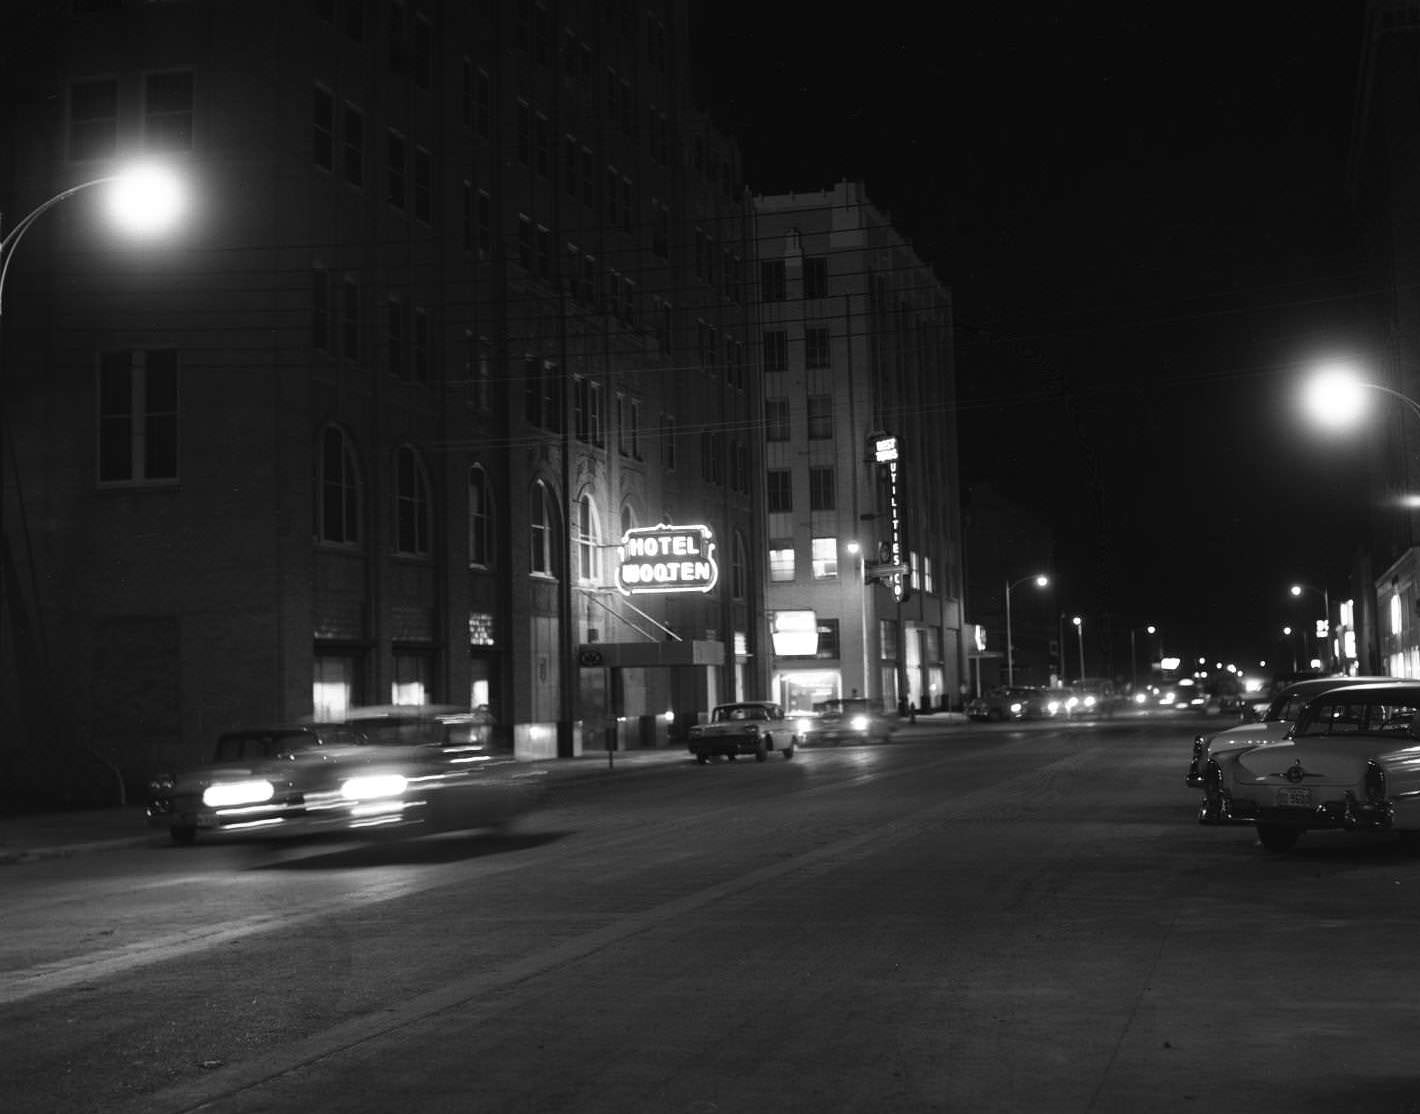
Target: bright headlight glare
{"x":373,"y":786}
{"x":227,"y":794}
{"x":859,"y":723}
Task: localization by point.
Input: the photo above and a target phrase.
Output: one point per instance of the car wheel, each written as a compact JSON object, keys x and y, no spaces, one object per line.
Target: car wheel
{"x":701,"y":758}
{"x":761,"y":749}
{"x":1277,"y":837}
{"x":184,"y":835}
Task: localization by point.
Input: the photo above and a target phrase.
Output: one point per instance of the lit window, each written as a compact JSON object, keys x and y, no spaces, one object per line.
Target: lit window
{"x":413,"y":678}
{"x":825,"y":558}
{"x":1395,"y":614}
{"x":781,"y":561}
{"x":588,"y":542}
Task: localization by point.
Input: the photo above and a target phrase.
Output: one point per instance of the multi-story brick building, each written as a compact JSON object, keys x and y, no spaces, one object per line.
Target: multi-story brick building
{"x":863,"y":493}
{"x":462,"y":294}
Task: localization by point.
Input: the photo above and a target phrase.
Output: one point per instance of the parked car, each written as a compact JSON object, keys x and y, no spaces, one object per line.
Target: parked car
{"x":1350,"y":762}
{"x":754,"y":727}
{"x":848,"y":719}
{"x":398,"y":768}
{"x":1015,"y":702}
{"x":1271,"y":725}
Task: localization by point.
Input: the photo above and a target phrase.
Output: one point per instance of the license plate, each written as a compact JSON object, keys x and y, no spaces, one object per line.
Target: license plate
{"x":1294,"y":798}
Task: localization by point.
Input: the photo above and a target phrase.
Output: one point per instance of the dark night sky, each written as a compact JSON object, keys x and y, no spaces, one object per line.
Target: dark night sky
{"x":1141,"y":212}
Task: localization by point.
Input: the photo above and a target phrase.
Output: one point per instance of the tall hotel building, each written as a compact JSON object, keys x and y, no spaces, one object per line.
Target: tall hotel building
{"x":462,"y":293}
{"x":863,"y":494}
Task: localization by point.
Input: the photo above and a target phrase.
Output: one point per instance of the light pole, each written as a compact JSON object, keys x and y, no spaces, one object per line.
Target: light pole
{"x":1287,"y":633}
{"x":143,"y":200}
{"x":1080,"y":635}
{"x":1297,"y":590}
{"x":1133,"y":659}
{"x":1041,"y":581}
{"x":857,"y":550}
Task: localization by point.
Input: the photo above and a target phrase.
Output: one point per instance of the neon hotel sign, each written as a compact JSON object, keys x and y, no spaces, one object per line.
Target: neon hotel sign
{"x":661,"y":559}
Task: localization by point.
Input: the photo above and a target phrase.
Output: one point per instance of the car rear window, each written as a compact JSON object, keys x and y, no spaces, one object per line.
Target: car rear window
{"x":1355,"y":717}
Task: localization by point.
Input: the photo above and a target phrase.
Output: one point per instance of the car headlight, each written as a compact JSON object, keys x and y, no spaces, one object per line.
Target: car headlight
{"x":1140,"y":698}
{"x":1053,"y":707}
{"x":1015,"y":709}
{"x":859,"y":723}
{"x":1089,"y":702}
{"x":229,"y":793}
{"x":371,"y":786}
{"x":802,"y":726}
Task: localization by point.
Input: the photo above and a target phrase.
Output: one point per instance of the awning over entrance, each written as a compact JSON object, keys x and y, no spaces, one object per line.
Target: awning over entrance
{"x":649,"y":655}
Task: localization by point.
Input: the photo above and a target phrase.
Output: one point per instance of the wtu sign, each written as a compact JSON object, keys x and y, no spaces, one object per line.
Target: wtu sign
{"x":661,"y":559}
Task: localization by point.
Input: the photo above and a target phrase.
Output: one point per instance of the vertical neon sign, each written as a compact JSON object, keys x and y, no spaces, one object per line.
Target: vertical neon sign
{"x":885,"y":451}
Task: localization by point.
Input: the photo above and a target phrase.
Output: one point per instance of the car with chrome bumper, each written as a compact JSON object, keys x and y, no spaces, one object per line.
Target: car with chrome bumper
{"x":401,"y":769}
{"x":1009,"y":702}
{"x":757,"y":727}
{"x":1351,"y":762}
{"x":1270,"y":726}
{"x":847,"y":720}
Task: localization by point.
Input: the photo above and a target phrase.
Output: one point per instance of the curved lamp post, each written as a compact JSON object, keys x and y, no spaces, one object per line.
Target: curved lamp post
{"x":1133,"y":658}
{"x":1080,"y":634}
{"x":143,"y":200}
{"x":1296,"y":590}
{"x":1041,"y":581}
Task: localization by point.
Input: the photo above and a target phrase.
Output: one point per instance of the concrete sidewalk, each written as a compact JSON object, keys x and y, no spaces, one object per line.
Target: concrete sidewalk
{"x":25,"y":837}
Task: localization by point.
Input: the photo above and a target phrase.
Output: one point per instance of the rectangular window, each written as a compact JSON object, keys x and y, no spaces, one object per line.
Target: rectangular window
{"x":780,"y":491}
{"x":350,"y":319}
{"x":596,"y":421}
{"x":422,"y":341}
{"x":394,"y":169}
{"x":423,"y":185}
{"x":323,"y":129}
{"x":827,"y":639}
{"x":423,"y":52}
{"x":320,"y":309}
{"x":93,"y":119}
{"x":167,"y":112}
{"x":394,"y":338}
{"x":820,"y":417}
{"x":354,"y":145}
{"x":825,"y":558}
{"x":816,"y":348}
{"x":773,"y":283}
{"x":776,"y":350}
{"x":781,"y":561}
{"x":816,"y":277}
{"x":138,"y":416}
{"x":822,"y":495}
{"x":927,"y":583}
{"x":776,"y":419}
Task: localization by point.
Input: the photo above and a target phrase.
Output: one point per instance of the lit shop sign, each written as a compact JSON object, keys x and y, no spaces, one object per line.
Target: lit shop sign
{"x":660,"y":559}
{"x":795,"y":633}
{"x":885,"y":451}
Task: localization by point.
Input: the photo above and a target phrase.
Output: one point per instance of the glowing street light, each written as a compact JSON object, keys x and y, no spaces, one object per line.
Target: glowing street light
{"x":1080,"y":635}
{"x":1133,"y":659}
{"x":143,"y":200}
{"x":1041,"y":581}
{"x":1297,"y":590}
{"x":1335,"y":397}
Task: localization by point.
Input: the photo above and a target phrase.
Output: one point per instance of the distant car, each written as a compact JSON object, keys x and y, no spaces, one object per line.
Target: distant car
{"x":1079,"y":701}
{"x":1182,"y":695}
{"x":1350,"y":762}
{"x":398,"y":768}
{"x":756,"y":727}
{"x":1271,"y":725}
{"x":848,"y":719}
{"x":1015,"y":702}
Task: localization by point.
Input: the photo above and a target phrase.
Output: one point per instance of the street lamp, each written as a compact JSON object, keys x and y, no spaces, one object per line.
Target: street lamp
{"x":1133,"y":660}
{"x":1041,"y":581}
{"x":1287,"y":633}
{"x":1080,"y":634}
{"x":857,"y":550}
{"x":1297,"y":590}
{"x":143,"y":200}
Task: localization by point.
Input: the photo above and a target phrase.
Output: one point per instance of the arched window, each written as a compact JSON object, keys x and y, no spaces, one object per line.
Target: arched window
{"x":628,"y":519}
{"x":337,"y":489}
{"x":480,"y":519}
{"x":412,"y":503}
{"x":739,"y":568}
{"x":542,"y":558}
{"x":589,"y":538}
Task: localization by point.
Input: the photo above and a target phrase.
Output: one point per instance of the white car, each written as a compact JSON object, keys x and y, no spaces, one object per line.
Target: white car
{"x":754,"y":727}
{"x":1270,"y":726}
{"x":1351,"y":762}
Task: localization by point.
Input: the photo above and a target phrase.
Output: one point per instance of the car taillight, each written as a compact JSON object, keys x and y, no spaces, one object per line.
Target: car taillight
{"x":1374,"y":782}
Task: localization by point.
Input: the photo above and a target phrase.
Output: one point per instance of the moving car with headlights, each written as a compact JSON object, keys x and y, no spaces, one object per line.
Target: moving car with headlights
{"x":1270,"y":726}
{"x":395,"y":768}
{"x":1351,"y":762}
{"x":849,"y":719}
{"x":1013,"y":702}
{"x":755,"y":727}
{"x":1091,"y":699}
